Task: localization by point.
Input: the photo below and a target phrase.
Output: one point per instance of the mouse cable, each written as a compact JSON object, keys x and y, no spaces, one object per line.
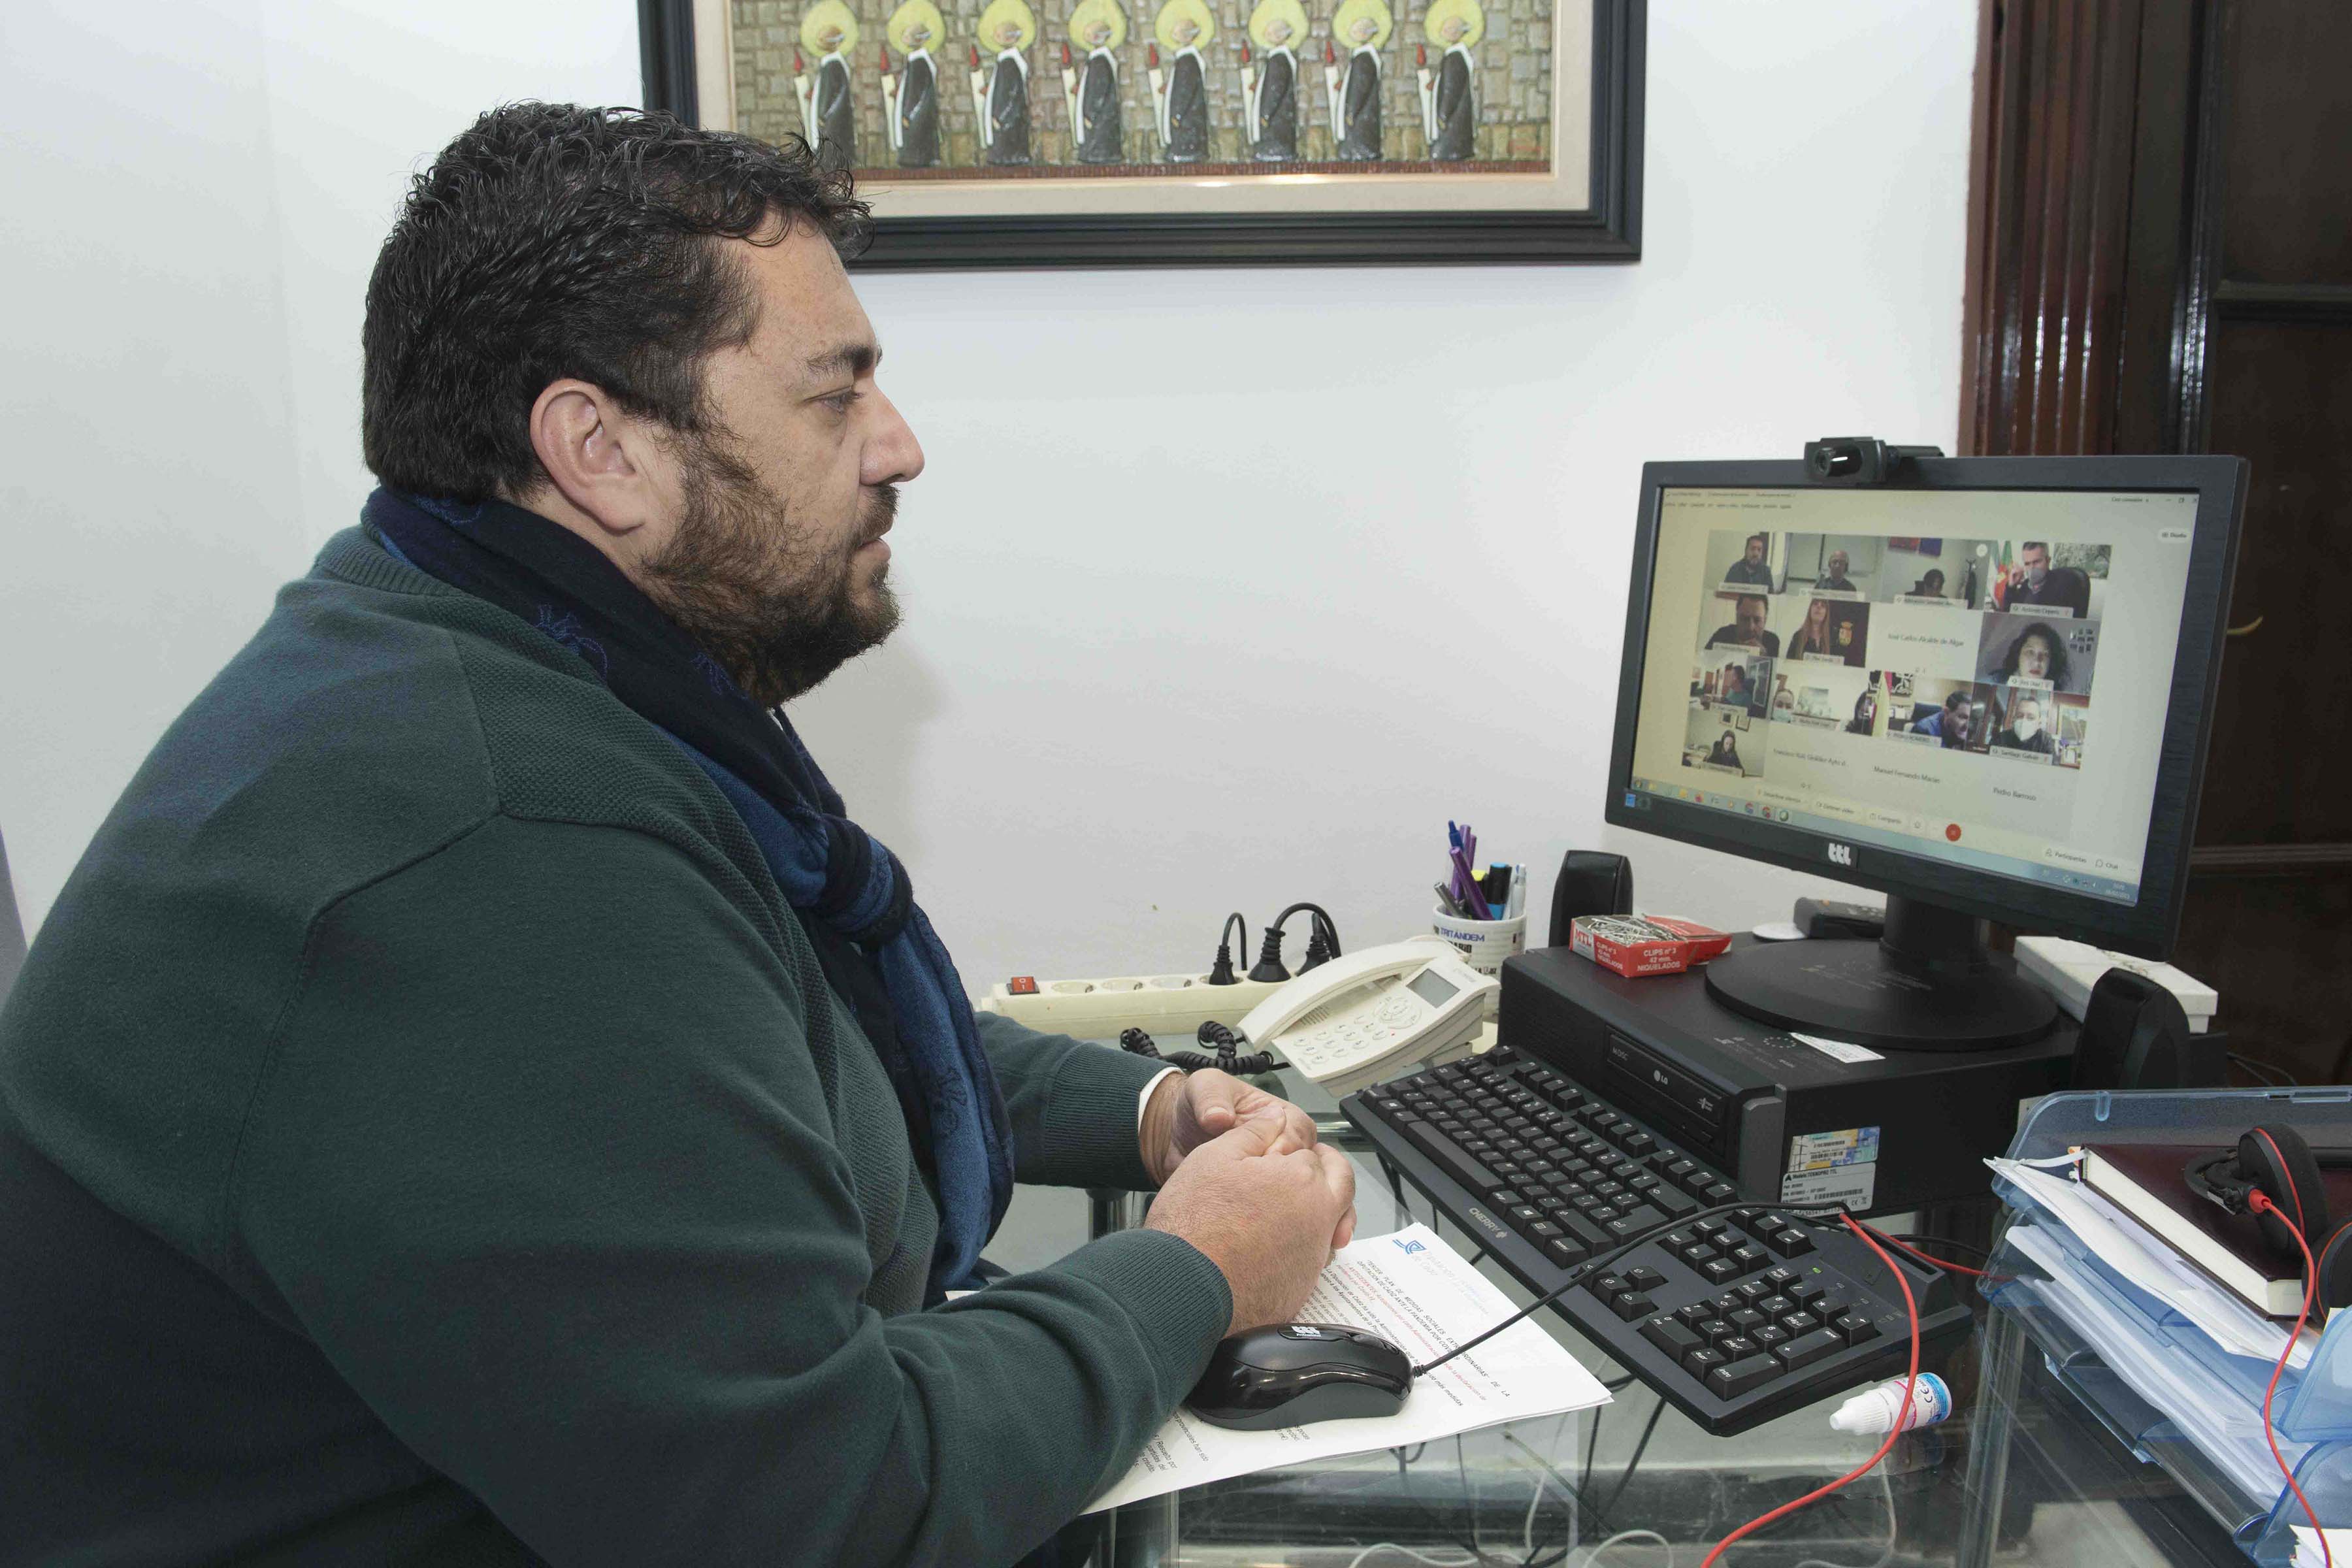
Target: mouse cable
{"x":1577,"y":1274}
{"x":1902,"y":1416}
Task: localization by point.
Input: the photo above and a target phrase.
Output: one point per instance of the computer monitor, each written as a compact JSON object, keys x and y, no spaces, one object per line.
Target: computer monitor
{"x":1983,"y":688}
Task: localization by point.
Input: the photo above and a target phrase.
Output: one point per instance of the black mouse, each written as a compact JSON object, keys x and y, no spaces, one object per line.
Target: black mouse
{"x":1288,"y":1374}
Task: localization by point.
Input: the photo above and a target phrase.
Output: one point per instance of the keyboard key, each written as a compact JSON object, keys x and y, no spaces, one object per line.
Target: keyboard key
{"x":1645,"y":1185}
{"x":1676,"y":1240}
{"x":1770,"y":1334}
{"x":1854,"y":1328}
{"x":1672,"y":1199}
{"x":1637,"y":1142}
{"x":1715,"y":1330}
{"x":1748,"y":1320}
{"x":1676,"y":1338}
{"x":1800,"y":1324}
{"x":1543,"y":1230}
{"x":1524,"y":1213}
{"x":1694,"y":1314}
{"x":1754,"y":1291}
{"x":1453,"y":1160}
{"x":1698,"y":1253}
{"x":1738,"y":1347}
{"x":1644,"y":1277}
{"x":1725,"y":1304}
{"x":1738,"y":1377}
{"x":1789,"y":1243}
{"x":1717,"y":1192}
{"x":1635,"y":1222}
{"x":1580,"y":1228}
{"x":1830,"y":1304}
{"x":1710,"y":1228}
{"x":1718,"y":1271}
{"x":1609,"y":1287}
{"x":1775,"y":1307}
{"x":1506,"y":1198}
{"x":1698,"y":1364}
{"x":1632,"y":1305}
{"x":1676,"y":1171}
{"x":1750,"y":1258}
{"x":1782,"y":1278}
{"x":1628,"y":1170}
{"x":1803,"y":1350}
{"x":1567,"y":1253}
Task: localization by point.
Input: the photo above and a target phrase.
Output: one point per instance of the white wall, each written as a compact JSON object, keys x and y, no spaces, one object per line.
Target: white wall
{"x":1224,"y":589}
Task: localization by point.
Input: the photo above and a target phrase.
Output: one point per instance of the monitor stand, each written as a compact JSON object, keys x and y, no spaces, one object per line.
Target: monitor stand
{"x":1928,"y":985}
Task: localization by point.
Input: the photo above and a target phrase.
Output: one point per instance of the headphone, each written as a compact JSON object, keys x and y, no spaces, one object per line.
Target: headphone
{"x":2275,"y":1162}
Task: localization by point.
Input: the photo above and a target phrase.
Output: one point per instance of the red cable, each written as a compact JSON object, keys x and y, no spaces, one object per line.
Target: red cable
{"x":2261,"y":1202}
{"x":1947,"y":1267}
{"x":1902,"y":1416}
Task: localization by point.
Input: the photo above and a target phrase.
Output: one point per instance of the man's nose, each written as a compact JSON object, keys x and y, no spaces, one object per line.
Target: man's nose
{"x":892,"y":455}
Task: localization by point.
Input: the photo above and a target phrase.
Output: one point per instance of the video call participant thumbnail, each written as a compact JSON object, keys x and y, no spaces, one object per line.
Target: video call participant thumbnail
{"x":2032,"y":580}
{"x":1834,"y":577}
{"x":1953,"y":723}
{"x":2024,"y":731}
{"x":1832,"y":628}
{"x":1746,"y":629}
{"x":2033,"y":648}
{"x":1751,"y":570}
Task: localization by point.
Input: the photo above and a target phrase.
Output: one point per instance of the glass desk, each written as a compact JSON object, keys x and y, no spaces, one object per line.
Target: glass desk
{"x":2021,"y":1475}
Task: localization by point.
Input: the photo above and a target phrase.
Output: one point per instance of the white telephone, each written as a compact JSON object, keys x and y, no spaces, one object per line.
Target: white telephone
{"x":1371,"y":1014}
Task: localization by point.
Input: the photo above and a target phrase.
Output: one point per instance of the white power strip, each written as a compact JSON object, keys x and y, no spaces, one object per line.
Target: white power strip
{"x":1161,"y":1004}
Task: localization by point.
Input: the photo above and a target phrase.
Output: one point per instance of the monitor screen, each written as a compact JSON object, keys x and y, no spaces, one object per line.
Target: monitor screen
{"x":1980,"y":677}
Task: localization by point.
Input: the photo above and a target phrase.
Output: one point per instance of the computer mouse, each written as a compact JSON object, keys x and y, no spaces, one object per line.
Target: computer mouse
{"x":1290,"y":1375}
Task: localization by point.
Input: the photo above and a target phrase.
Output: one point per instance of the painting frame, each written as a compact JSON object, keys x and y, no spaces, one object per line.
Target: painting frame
{"x":683,"y":68}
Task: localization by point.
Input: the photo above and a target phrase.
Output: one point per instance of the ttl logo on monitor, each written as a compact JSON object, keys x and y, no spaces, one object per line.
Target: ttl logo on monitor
{"x":1841,"y":854}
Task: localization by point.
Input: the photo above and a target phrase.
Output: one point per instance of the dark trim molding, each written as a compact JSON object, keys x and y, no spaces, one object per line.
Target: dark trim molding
{"x":665,"y":58}
{"x":2306,"y":304}
{"x":2270,"y":860}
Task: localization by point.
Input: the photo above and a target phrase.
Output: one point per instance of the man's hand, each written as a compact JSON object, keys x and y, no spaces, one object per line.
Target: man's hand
{"x":1268,"y":1220}
{"x":1190,"y":1108}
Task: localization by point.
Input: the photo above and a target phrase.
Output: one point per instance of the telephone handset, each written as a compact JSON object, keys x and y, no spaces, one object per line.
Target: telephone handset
{"x":1371,"y":1014}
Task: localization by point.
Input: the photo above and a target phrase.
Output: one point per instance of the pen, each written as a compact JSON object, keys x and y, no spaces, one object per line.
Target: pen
{"x":1518,"y":905}
{"x":1445,"y":900}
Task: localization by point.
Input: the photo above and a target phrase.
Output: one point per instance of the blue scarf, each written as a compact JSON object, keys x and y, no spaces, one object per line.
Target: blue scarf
{"x":830,"y":869}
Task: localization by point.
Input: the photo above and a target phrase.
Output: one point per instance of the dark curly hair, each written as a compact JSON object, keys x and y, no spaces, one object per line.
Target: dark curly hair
{"x":550,"y":240}
{"x":2050,"y":640}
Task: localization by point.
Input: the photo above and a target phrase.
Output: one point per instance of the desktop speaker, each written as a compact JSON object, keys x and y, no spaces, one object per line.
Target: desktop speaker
{"x":1590,"y":883}
{"x":2135,"y":1036}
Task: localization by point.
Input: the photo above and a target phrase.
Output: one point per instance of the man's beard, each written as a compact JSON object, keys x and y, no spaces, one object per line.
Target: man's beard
{"x":778,"y":609}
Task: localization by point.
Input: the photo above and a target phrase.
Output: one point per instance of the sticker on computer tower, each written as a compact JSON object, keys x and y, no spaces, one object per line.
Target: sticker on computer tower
{"x":1832,"y":1167}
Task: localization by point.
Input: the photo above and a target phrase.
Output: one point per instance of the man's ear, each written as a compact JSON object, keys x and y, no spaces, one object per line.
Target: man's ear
{"x":601,"y":461}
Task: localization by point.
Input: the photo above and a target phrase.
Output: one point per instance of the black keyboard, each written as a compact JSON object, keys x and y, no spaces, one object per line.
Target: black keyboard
{"x":1733,"y":1319}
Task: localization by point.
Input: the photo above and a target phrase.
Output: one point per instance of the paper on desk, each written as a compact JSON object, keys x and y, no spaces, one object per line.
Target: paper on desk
{"x":2226,"y":1428}
{"x":1413,"y":1289}
{"x":2308,"y":1553}
{"x":2127,"y":1247}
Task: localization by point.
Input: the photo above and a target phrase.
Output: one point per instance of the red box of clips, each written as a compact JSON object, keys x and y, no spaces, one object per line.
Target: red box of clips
{"x":1638,"y":945}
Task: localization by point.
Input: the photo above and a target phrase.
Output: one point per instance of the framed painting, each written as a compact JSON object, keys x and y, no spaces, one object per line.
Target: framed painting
{"x":1185,"y":133}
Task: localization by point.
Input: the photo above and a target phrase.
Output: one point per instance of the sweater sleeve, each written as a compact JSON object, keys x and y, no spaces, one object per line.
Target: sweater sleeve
{"x":1072,"y":1104}
{"x":543,"y":1164}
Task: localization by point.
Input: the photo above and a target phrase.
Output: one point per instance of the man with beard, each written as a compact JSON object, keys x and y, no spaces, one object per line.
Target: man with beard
{"x":480,"y":1097}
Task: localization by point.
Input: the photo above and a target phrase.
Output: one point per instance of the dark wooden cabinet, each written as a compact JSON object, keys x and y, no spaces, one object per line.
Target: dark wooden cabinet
{"x":2160,"y":260}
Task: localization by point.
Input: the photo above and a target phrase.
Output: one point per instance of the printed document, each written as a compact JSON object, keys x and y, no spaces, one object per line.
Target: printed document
{"x":1417,"y":1292}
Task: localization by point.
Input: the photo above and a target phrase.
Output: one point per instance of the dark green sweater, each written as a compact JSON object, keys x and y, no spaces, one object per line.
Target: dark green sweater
{"x":426,"y":1135}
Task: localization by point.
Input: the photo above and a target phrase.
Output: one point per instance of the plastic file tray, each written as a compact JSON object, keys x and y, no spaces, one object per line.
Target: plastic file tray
{"x":2093,"y":1326}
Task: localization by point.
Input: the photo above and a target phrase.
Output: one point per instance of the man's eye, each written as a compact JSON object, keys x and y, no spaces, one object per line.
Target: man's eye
{"x":840,"y":401}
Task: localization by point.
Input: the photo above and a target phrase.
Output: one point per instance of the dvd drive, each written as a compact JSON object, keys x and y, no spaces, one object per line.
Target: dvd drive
{"x":1649,"y":1083}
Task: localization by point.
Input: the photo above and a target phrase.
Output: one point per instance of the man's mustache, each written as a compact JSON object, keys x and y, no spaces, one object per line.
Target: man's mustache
{"x":881,"y":509}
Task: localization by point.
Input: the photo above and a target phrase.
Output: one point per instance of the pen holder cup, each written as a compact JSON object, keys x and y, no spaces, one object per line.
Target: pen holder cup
{"x":1484,"y":945}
